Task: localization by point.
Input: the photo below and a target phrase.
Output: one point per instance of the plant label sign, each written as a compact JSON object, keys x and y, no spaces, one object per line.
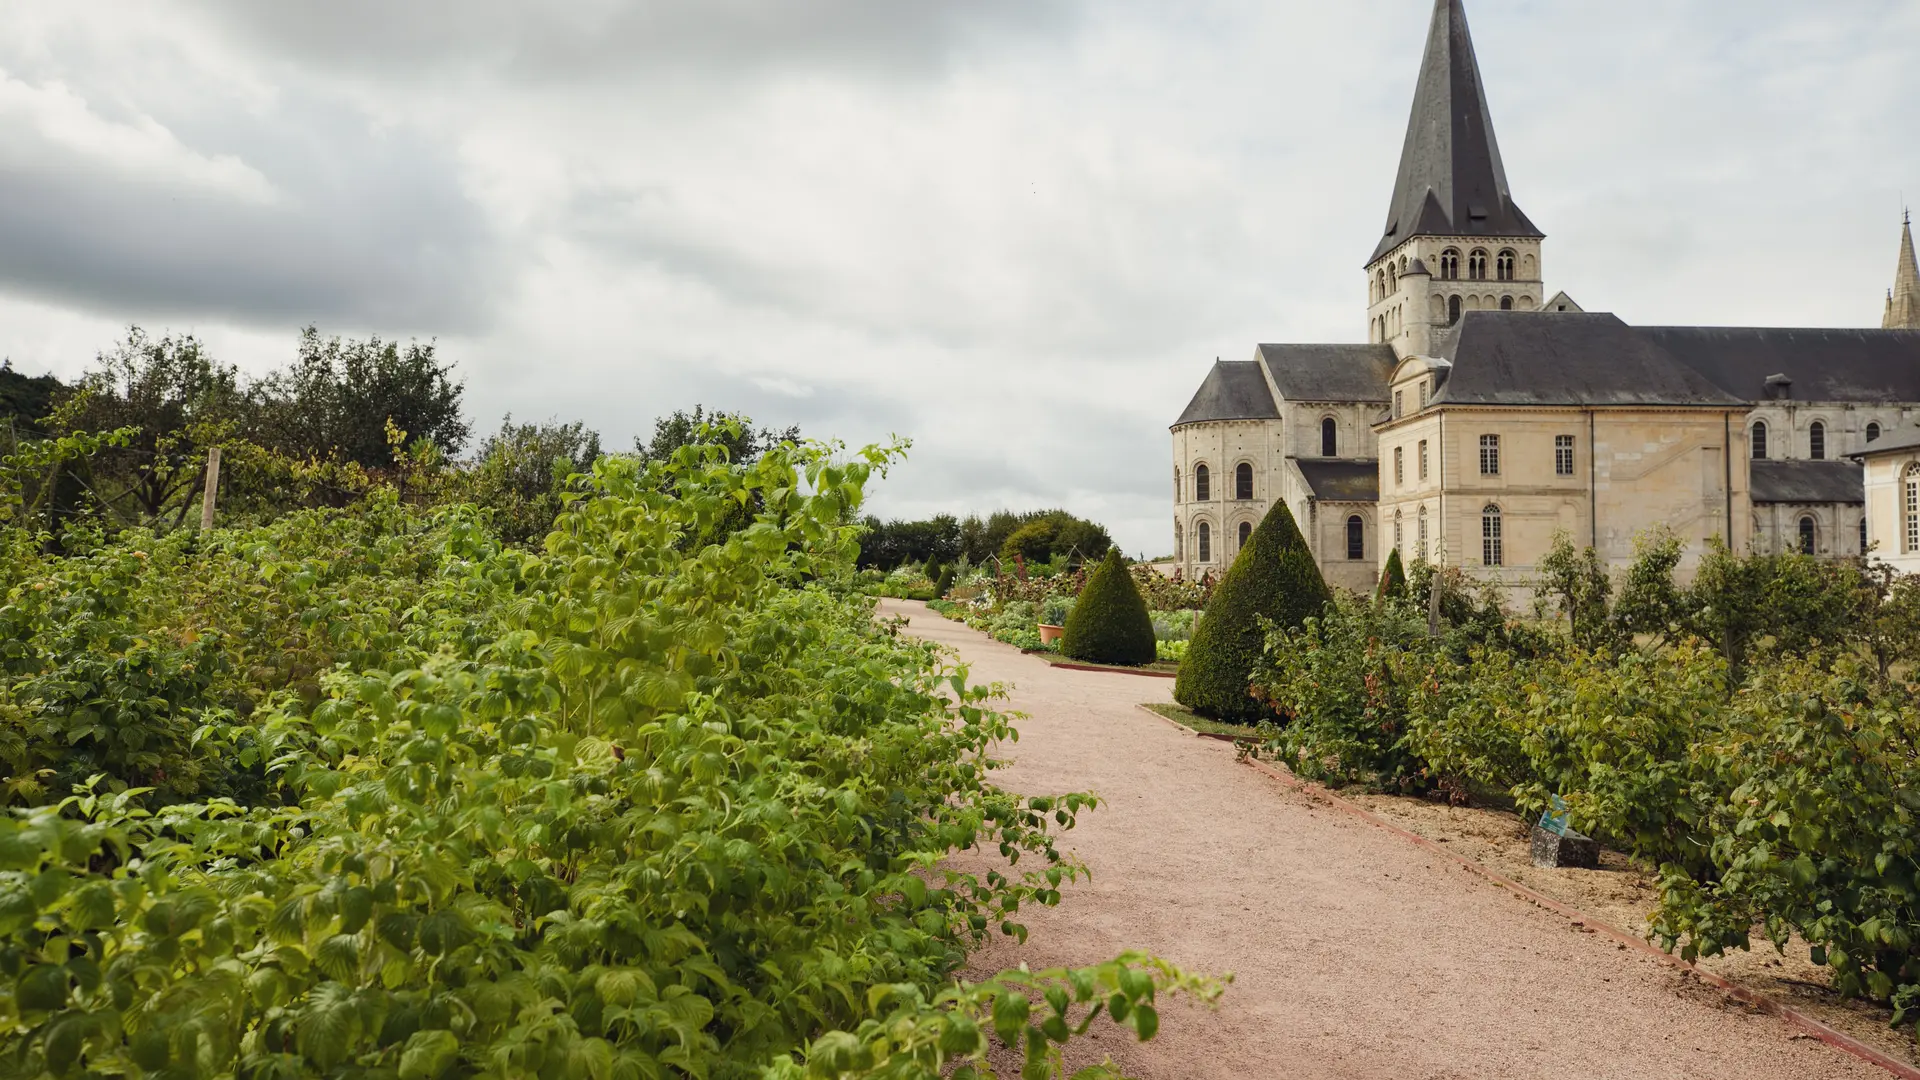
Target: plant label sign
{"x":1554,"y":818}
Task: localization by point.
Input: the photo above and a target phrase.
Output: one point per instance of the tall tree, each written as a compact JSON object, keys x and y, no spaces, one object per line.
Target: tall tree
{"x":336,"y":398}
{"x":735,"y":431}
{"x":522,"y":472}
{"x":27,"y":401}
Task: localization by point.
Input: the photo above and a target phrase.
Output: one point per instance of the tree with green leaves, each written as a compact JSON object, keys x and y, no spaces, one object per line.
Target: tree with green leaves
{"x":336,"y":399}
{"x":1274,"y":578}
{"x":1576,"y":582}
{"x":1109,"y":623}
{"x":743,"y":442}
{"x":26,"y":402}
{"x":522,"y":473}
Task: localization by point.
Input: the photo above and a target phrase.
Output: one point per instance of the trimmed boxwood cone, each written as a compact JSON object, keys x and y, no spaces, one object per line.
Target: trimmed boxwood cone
{"x":1393,"y":580}
{"x":1274,"y":576}
{"x":1109,"y":624}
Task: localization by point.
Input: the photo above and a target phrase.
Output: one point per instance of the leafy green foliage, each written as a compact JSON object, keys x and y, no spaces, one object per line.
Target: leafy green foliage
{"x":1393,"y":579}
{"x":1274,"y":580}
{"x":1577,"y":584}
{"x":632,"y":806}
{"x":888,"y":544}
{"x":26,"y":401}
{"x":1060,"y":533}
{"x":1109,"y":624}
{"x":339,"y":398}
{"x":523,"y":472}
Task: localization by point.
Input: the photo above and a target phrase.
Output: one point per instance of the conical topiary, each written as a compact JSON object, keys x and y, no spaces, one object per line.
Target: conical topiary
{"x":1393,"y":580}
{"x":1109,"y":623}
{"x":1275,"y":576}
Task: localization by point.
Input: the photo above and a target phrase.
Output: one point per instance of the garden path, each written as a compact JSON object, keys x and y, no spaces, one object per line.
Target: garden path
{"x":1355,"y":954}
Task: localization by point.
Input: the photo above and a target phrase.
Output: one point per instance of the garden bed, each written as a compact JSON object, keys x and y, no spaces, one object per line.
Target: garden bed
{"x":1621,"y":892}
{"x":1162,"y":669}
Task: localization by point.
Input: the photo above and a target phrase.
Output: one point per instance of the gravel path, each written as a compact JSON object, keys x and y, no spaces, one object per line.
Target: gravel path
{"x":1355,"y":954}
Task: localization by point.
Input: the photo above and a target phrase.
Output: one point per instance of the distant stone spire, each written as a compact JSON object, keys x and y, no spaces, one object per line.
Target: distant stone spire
{"x":1903,"y":303}
{"x":1451,"y":181}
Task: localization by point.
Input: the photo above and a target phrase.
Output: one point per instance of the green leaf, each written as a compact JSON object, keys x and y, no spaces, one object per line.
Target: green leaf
{"x":428,"y":1054}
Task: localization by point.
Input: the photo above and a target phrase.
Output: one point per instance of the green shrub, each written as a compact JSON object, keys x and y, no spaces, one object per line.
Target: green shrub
{"x":1109,"y":624}
{"x":1393,"y":579}
{"x":1274,"y":578}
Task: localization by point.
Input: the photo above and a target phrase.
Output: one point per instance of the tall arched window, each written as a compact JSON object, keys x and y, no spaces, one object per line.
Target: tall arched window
{"x":1202,"y":483}
{"x":1329,"y":438}
{"x":1243,"y":481}
{"x":1506,"y":303}
{"x":1246,"y":532}
{"x":1477,"y":265}
{"x":1356,"y":538}
{"x":1449,"y":265}
{"x":1806,"y":535}
{"x":1393,"y":280}
{"x":1817,"y":441}
{"x":1380,"y":286}
{"x":1757,"y":439}
{"x":1873,"y":431}
{"x":1504,"y":265}
{"x":1910,"y":496}
{"x":1863,"y":534}
{"x":1178,"y":491}
{"x":1179,"y":540}
{"x":1420,"y":552}
{"x":1453,"y":310}
{"x":1398,"y":539}
{"x":1206,"y":541}
{"x":1492,"y":545}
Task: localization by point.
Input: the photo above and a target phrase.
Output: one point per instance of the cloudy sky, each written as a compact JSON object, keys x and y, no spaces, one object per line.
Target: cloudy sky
{"x":1016,"y":231}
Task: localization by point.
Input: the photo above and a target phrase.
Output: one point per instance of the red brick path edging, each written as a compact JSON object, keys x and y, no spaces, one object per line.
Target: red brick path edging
{"x":1587,"y":923}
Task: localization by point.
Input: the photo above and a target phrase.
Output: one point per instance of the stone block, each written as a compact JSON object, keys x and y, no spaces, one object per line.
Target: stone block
{"x":1551,"y":849}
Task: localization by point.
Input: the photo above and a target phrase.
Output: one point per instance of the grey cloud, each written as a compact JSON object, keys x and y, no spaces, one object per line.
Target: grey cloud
{"x":370,"y":229}
{"x":720,"y":40}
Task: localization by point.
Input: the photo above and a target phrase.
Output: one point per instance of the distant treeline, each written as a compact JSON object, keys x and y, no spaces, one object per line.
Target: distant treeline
{"x":1039,"y":536}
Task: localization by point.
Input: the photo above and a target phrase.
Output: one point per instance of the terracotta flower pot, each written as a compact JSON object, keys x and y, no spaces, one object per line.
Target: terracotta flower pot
{"x":1050,"y":634}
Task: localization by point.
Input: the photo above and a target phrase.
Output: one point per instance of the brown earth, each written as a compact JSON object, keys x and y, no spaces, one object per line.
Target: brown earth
{"x":1354,"y":954}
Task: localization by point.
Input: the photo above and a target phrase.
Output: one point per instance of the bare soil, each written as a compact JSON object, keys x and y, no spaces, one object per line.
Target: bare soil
{"x":1355,"y":954}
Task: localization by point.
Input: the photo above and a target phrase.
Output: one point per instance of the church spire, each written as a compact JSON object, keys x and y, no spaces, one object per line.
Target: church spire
{"x":1903,"y":304}
{"x":1451,"y":181}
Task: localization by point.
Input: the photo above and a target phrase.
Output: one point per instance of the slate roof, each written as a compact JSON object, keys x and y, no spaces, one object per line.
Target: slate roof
{"x":1233,"y":390}
{"x":1341,"y":479}
{"x":1330,"y":372}
{"x":1807,"y":482}
{"x":1825,"y":365}
{"x":1451,"y":182}
{"x":1566,"y":358}
{"x":1898,"y":438}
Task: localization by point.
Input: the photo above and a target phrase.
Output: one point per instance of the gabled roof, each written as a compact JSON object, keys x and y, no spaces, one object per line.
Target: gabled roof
{"x":1807,"y":482}
{"x":1329,"y":372}
{"x":1564,"y":358}
{"x":1891,"y":441}
{"x":1233,"y":390}
{"x":1341,"y":479}
{"x":1561,"y":302}
{"x":1823,"y":365}
{"x":1451,"y":182}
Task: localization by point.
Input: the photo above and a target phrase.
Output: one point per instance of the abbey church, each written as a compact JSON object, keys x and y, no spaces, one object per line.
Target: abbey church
{"x":1485,"y":414}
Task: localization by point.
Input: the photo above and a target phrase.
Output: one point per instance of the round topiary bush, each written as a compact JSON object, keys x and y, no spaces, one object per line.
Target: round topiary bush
{"x":1109,"y":624}
{"x":1274,"y":576}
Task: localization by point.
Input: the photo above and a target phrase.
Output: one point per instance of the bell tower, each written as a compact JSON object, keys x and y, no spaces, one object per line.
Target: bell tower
{"x":1903,"y":300}
{"x":1455,"y":240}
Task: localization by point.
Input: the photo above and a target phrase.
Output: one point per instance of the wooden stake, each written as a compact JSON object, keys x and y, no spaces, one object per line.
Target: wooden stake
{"x":213,"y":486}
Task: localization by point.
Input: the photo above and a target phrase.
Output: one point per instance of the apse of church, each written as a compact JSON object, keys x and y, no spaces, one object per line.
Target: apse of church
{"x":1484,"y":415}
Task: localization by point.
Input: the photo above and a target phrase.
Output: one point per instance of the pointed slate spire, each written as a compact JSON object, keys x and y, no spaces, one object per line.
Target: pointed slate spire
{"x":1451,"y":181}
{"x":1903,"y":304}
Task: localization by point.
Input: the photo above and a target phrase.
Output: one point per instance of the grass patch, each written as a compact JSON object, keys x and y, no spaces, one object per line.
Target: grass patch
{"x":1180,"y":714}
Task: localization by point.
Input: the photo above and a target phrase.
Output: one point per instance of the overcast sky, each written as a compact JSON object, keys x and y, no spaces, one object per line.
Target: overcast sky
{"x":1016,"y":231}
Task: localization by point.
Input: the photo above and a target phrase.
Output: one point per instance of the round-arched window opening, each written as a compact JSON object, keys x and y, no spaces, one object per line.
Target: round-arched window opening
{"x":1329,"y":438}
{"x":1453,"y":310}
{"x":1450,"y":265}
{"x":1503,"y":265}
{"x":1177,"y":491}
{"x":1806,"y":536}
{"x":1817,"y":441}
{"x":1873,"y":431}
{"x":1757,"y":439}
{"x":1356,"y":538}
{"x":1477,"y":265}
{"x":1493,"y":551}
{"x":1246,"y":532}
{"x":1506,"y":303}
{"x":1202,"y":483}
{"x":1243,"y":481}
{"x":1206,"y":542}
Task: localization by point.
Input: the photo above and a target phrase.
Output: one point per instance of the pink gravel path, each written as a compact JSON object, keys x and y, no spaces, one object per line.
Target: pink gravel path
{"x":1355,"y":954}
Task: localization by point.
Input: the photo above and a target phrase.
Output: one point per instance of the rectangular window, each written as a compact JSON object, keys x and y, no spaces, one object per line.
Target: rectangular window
{"x":1399,"y":403}
{"x":1423,"y":393}
{"x":1423,"y":459}
{"x":1489,"y":455}
{"x":1492,"y":548}
{"x":1563,"y":455}
{"x":1399,"y":466}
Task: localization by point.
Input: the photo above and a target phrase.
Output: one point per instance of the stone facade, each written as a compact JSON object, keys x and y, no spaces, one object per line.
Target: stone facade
{"x":1892,"y":483}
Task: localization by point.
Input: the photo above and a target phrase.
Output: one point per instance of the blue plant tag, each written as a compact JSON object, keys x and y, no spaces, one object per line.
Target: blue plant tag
{"x":1554,"y":819}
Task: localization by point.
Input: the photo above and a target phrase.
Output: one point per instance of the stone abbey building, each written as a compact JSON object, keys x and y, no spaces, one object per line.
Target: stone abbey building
{"x":1485,"y":414}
